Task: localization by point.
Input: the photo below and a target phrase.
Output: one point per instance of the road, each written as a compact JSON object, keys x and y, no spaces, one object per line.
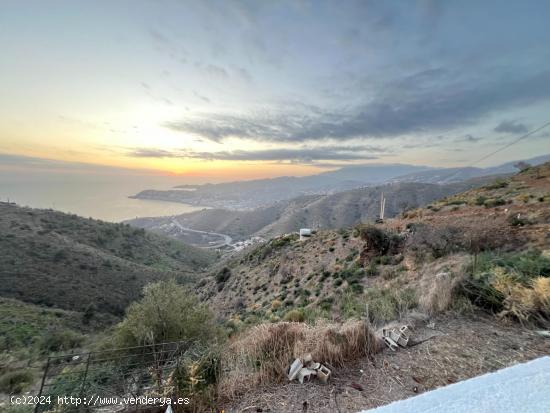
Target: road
{"x":227,"y":240}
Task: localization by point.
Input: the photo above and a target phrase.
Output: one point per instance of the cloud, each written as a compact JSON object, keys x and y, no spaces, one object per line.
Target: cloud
{"x":510,"y":126}
{"x":216,"y":71}
{"x":469,"y":139}
{"x":201,"y":97}
{"x":299,"y":155}
{"x":422,"y":102}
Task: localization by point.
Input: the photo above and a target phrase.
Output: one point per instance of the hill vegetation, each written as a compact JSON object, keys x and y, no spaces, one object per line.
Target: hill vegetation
{"x":65,"y":261}
{"x":469,"y":273}
{"x":336,"y":272}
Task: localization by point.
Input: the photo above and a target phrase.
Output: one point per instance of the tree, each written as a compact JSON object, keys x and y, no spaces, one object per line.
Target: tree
{"x":167,"y":312}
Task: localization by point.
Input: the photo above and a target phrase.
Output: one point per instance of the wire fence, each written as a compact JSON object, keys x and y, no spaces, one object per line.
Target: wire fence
{"x":96,"y":380}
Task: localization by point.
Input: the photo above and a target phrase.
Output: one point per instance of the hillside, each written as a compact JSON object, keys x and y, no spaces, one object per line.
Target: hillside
{"x":468,"y":274}
{"x":65,"y":261}
{"x":342,"y":209}
{"x":333,"y":265}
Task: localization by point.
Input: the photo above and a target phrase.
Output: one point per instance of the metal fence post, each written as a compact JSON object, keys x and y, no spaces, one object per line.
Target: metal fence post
{"x":42,"y":385}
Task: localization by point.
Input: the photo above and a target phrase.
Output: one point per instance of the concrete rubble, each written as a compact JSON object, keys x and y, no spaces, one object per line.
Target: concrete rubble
{"x":306,"y":369}
{"x":395,"y":338}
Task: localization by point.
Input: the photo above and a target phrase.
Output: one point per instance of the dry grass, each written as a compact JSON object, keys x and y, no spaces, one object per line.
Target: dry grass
{"x":439,"y":282}
{"x":262,"y":354}
{"x":525,"y":303}
{"x":541,"y":290}
{"x":437,"y":297}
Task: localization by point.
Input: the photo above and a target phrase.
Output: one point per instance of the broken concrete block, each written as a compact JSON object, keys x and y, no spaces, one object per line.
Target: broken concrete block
{"x":323,"y":373}
{"x":394,"y":337}
{"x":305,"y":374}
{"x":403,"y":336}
{"x":392,"y":345}
{"x":294,"y":369}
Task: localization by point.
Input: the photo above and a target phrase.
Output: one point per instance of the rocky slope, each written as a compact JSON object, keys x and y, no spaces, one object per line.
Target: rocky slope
{"x":336,"y":270}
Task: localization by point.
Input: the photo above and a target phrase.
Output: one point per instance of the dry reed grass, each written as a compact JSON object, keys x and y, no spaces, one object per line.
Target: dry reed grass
{"x":439,"y":282}
{"x":524,"y":302}
{"x":262,"y":354}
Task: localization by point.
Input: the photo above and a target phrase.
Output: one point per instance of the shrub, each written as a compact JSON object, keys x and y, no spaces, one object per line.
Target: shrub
{"x":438,"y":293}
{"x":456,"y":202}
{"x":262,"y":354}
{"x":499,"y":183}
{"x":356,"y":288}
{"x":223,"y":275}
{"x":61,"y":340}
{"x":517,"y":220}
{"x":326,"y":304}
{"x":295,"y":316}
{"x":60,"y":255}
{"x":372,"y":269}
{"x":15,"y":381}
{"x":389,"y":304}
{"x":480,"y":200}
{"x":378,"y":241}
{"x":434,"y":241}
{"x":167,"y":312}
{"x":196,"y":378}
{"x":493,"y":202}
{"x":515,"y":285}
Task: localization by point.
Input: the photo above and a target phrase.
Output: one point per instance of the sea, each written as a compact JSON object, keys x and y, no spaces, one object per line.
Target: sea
{"x":105,"y":199}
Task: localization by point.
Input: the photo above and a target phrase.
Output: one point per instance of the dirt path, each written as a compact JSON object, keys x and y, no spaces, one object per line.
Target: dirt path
{"x":460,"y":348}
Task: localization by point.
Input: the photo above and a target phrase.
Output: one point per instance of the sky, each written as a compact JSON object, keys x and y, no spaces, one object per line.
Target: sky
{"x":249,"y":89}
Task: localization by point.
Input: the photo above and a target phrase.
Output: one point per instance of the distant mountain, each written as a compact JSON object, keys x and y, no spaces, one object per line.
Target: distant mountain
{"x":248,"y":195}
{"x":448,"y":175}
{"x":342,"y":209}
{"x":59,"y":260}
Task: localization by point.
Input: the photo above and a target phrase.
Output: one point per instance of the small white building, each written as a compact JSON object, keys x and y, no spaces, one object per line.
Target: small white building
{"x":305,"y":233}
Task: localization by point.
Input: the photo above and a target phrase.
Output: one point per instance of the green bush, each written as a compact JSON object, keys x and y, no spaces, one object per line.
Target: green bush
{"x":493,"y":202}
{"x":295,"y":315}
{"x":60,"y":340}
{"x":434,"y":241}
{"x":326,"y":303}
{"x":379,"y":241}
{"x":497,"y":184}
{"x":14,"y":382}
{"x":223,"y":275}
{"x":389,"y":304}
{"x":480,"y":200}
{"x":167,"y":312}
{"x":383,"y":304}
{"x":520,"y":268}
{"x":516,"y":220}
{"x":197,"y":377}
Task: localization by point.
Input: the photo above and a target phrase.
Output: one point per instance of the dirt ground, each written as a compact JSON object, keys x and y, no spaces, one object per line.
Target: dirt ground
{"x":456,"y":348}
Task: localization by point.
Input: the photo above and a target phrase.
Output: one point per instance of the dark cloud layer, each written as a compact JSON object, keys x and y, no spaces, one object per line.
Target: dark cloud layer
{"x":423,"y":102}
{"x":304,"y":154}
{"x":510,"y":126}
